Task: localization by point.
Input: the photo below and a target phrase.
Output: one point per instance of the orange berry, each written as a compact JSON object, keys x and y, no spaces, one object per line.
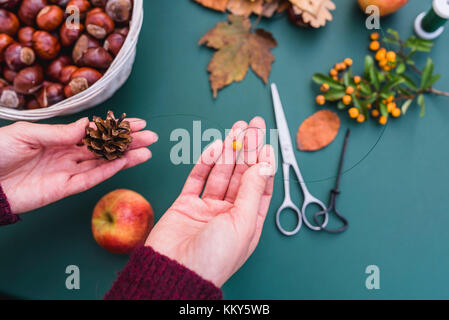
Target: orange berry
{"x":361,"y":118}
{"x":390,"y":99}
{"x":374,"y":36}
{"x":325,"y":87}
{"x":320,"y":100}
{"x":353,"y":112}
{"x":391,"y":106}
{"x":396,"y":112}
{"x":349,"y":90}
{"x":383,"y":63}
{"x":237,"y":145}
{"x":333,"y":73}
{"x":391,"y":56}
{"x":348,"y":62}
{"x":381,"y":54}
{"x":357,"y":79}
{"x":375,"y":113}
{"x":387,"y":68}
{"x":347,"y":100}
{"x":369,"y":106}
{"x":374,"y":45}
{"x":383,"y":120}
{"x":335,"y":78}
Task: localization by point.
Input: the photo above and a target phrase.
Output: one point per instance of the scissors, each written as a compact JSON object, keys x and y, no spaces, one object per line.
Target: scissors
{"x":289,"y":160}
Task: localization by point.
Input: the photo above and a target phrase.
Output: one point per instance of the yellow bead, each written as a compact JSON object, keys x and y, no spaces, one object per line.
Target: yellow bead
{"x":237,"y":145}
{"x":353,"y":112}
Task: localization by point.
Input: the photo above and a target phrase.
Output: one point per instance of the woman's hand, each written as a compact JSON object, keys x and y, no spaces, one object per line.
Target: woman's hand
{"x":40,"y":164}
{"x":216,"y":223}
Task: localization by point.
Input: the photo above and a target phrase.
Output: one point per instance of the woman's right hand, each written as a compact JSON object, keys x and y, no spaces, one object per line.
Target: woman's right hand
{"x":215,"y":224}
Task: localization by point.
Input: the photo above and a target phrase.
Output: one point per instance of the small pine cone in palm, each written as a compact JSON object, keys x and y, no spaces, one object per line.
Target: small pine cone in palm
{"x":111,"y":139}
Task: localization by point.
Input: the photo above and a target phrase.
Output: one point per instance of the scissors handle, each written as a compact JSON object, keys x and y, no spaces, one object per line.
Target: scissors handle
{"x":288,"y":204}
{"x":310,"y":200}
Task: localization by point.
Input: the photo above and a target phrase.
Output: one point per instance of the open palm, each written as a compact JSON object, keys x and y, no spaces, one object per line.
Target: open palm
{"x":216,"y":223}
{"x":41,"y":164}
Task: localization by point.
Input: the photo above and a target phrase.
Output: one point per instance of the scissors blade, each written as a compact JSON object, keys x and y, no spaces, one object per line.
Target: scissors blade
{"x":284,"y":133}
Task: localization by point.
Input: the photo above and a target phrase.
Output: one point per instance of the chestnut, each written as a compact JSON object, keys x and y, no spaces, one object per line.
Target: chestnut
{"x":98,"y":58}
{"x":50,"y":94}
{"x":50,"y":17}
{"x":66,"y":73}
{"x":25,"y":36}
{"x":29,"y":9}
{"x":99,"y":24}
{"x":46,"y":45}
{"x":114,"y":42}
{"x":82,"y":6}
{"x":10,"y":98}
{"x":123,"y":31}
{"x":61,"y":3}
{"x":9,"y":74}
{"x":99,"y":3}
{"x":55,"y":67}
{"x":9,"y":4}
{"x":82,"y":79}
{"x":32,"y":103}
{"x":119,"y":10}
{"x":18,"y":57}
{"x":3,"y":83}
{"x":69,"y":35}
{"x":9,"y":23}
{"x":5,"y":42}
{"x":84,"y":42}
{"x":29,"y":80}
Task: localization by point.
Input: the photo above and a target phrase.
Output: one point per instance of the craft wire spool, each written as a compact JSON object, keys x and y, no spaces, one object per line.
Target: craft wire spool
{"x":429,"y":25}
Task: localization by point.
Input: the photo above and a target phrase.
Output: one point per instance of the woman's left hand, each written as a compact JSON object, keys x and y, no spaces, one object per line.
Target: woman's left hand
{"x":41,"y":164}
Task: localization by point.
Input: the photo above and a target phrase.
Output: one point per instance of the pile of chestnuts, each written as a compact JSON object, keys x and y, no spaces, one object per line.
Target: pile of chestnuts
{"x":51,"y":50}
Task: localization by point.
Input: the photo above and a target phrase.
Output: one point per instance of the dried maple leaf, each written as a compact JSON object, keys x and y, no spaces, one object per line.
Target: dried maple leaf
{"x":219,"y":5}
{"x":238,"y":49}
{"x":318,"y":131}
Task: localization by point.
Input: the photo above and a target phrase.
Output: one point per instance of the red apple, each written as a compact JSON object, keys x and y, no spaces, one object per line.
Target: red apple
{"x":122,"y":220}
{"x":386,"y":7}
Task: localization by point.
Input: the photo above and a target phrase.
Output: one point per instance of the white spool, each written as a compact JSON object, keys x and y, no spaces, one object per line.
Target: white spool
{"x":103,"y":89}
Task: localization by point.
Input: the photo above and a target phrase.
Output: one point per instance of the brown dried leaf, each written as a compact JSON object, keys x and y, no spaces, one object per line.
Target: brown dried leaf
{"x":219,"y":5}
{"x":238,"y":49}
{"x":318,"y":131}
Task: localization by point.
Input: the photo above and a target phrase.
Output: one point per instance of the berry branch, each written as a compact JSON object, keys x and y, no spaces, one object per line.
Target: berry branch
{"x":386,"y":80}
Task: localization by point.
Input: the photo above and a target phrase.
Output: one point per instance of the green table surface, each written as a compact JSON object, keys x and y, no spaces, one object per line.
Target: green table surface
{"x":394,"y":192}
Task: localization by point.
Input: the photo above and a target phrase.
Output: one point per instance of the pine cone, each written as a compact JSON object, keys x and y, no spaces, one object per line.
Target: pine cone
{"x":111,"y":139}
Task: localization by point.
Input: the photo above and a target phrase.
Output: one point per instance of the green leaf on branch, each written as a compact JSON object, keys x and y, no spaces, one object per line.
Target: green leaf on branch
{"x":422,"y":104}
{"x":334,"y":95}
{"x":409,"y":82}
{"x":320,"y":78}
{"x":427,"y":75}
{"x":383,"y":109}
{"x":400,"y":69}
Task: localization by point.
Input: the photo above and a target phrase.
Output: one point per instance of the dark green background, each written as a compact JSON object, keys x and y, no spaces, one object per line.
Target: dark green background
{"x":394,"y":196}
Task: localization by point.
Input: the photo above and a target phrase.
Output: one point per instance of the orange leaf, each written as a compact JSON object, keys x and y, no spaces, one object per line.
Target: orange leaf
{"x":318,"y":131}
{"x":219,"y":5}
{"x":238,"y":49}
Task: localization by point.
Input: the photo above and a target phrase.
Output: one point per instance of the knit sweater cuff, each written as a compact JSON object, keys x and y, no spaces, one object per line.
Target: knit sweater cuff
{"x":150,"y":275}
{"x":6,"y":216}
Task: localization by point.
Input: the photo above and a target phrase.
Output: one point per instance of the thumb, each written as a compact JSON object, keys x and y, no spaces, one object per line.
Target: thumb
{"x":53,"y":135}
{"x":249,"y":196}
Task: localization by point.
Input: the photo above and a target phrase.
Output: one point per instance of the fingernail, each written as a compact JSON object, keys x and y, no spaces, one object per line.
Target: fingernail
{"x":266,"y":169}
{"x":156,"y":137}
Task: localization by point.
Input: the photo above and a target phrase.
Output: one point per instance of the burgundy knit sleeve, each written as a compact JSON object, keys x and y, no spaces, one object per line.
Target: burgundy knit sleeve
{"x":152,"y":276}
{"x":6,"y":216}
